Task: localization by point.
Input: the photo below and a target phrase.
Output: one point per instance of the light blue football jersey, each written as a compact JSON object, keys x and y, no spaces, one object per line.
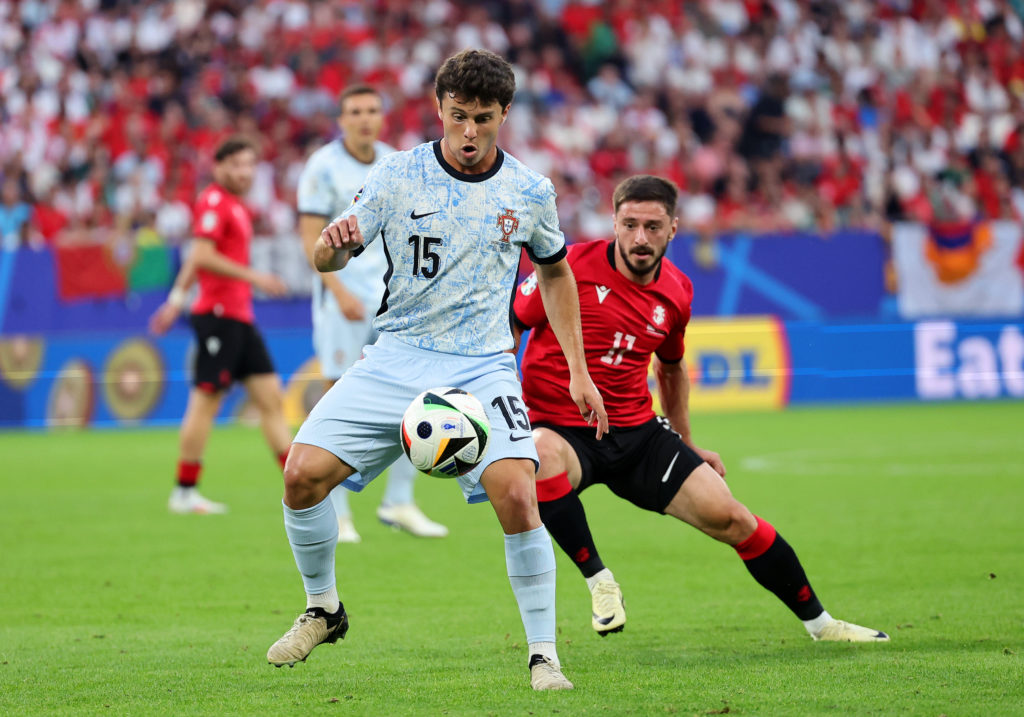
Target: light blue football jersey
{"x":329,"y":181}
{"x":453,"y":243}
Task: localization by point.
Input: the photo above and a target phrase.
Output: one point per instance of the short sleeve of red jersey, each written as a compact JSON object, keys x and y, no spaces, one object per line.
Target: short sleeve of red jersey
{"x":210,"y":218}
{"x":671,"y":349}
{"x":528,"y":309}
{"x":674,"y":345}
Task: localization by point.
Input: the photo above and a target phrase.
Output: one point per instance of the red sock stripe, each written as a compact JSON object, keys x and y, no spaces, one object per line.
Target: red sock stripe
{"x":553,"y":488}
{"x":188,"y":472}
{"x":282,"y":458}
{"x":758,"y":543}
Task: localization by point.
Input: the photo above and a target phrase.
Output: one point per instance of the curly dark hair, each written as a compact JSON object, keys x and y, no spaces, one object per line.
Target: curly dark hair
{"x":646,"y":188}
{"x":476,"y":75}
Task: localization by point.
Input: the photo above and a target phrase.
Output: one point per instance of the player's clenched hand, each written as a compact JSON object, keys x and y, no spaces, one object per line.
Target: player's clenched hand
{"x":270,"y":284}
{"x":712,"y":459}
{"x":163,"y":319}
{"x":588,"y":399}
{"x":343,"y":233}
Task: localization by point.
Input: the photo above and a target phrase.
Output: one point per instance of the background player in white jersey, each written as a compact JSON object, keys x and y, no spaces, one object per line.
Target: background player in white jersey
{"x":453,"y":216}
{"x":344,"y":302}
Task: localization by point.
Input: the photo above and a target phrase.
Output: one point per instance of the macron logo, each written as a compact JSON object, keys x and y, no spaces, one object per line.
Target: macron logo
{"x":602,"y":292}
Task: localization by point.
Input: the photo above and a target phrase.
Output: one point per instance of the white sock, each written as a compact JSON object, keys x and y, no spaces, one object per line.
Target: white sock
{"x":815,"y":626}
{"x":545,"y":649}
{"x":602,"y":574}
{"x":328,"y":600}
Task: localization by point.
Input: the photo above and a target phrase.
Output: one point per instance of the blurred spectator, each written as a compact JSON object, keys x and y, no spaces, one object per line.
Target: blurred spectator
{"x":772,"y":115}
{"x":15,"y":214}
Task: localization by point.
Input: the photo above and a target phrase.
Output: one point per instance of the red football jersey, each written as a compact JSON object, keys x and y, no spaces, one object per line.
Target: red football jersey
{"x":623,"y":324}
{"x":221,"y":217}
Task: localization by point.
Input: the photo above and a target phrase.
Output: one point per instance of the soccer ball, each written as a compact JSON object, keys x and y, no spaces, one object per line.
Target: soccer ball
{"x":445,"y":432}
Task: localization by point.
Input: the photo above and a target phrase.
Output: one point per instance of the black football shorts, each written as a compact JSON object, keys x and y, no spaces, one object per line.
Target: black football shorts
{"x":227,"y":350}
{"x":644,"y":464}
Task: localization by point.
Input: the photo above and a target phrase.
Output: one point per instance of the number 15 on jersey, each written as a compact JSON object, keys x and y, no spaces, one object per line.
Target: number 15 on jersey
{"x":425,"y":261}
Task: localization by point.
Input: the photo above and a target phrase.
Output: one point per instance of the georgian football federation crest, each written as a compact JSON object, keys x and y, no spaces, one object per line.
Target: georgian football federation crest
{"x":659,"y":314}
{"x":508,"y":223}
{"x":208,"y":222}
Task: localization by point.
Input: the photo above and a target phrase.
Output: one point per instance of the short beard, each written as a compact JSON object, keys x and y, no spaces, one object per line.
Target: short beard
{"x":624,"y":255}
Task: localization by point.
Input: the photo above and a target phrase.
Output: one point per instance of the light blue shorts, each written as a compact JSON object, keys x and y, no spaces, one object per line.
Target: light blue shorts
{"x":337,"y":341}
{"x":359,"y":419}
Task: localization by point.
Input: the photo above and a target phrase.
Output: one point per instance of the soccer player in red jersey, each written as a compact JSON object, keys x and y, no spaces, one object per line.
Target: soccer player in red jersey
{"x":634,"y":304}
{"x":229,"y":347}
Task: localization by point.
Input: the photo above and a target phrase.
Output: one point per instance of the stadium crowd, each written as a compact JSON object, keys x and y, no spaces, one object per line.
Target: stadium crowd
{"x":773,"y":115}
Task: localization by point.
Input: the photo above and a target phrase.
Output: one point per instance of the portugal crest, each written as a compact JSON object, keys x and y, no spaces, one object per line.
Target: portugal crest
{"x":508,"y":223}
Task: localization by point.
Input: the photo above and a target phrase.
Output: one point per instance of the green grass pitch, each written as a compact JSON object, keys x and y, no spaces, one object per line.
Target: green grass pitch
{"x":908,"y":518}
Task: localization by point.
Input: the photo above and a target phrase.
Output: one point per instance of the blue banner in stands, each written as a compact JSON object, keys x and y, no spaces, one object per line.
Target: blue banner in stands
{"x":797,"y":276}
{"x":792,"y":276}
{"x":125,"y":378}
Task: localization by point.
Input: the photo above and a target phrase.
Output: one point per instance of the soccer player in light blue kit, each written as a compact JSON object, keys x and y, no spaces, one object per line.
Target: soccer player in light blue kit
{"x":343,"y":305}
{"x":453,"y":216}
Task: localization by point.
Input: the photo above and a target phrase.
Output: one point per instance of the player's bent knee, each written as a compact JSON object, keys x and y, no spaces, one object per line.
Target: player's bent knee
{"x":522,"y":498}
{"x":271,"y":401}
{"x":551,"y":452}
{"x":299,"y":486}
{"x":548,"y":450}
{"x":733,"y":523}
{"x":310,"y":473}
{"x":743,"y":521}
{"x":519,"y":496}
{"x":513,"y":495}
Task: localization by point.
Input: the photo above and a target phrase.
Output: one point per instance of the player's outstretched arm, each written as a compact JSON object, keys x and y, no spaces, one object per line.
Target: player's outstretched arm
{"x":336,"y":243}
{"x":165,"y":316}
{"x":674,"y":390}
{"x":205,"y":256}
{"x":562,"y":306}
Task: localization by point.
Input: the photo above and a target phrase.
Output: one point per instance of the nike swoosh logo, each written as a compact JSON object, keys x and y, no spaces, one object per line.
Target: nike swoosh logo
{"x":603,"y":620}
{"x":520,"y":438}
{"x":414,"y":215}
{"x":664,"y":478}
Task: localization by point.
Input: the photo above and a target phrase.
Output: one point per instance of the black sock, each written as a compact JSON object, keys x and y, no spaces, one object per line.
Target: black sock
{"x":772,"y":562}
{"x":564,"y":517}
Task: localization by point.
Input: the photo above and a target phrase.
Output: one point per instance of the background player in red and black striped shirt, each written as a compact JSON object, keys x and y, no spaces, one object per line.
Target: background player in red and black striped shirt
{"x":229,"y":348}
{"x":634,"y":304}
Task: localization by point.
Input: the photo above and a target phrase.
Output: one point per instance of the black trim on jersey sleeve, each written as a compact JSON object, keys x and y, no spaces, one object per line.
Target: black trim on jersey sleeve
{"x":512,"y":320}
{"x":462,"y":176}
{"x":387,"y":275}
{"x":516,"y":320}
{"x":554,"y":258}
{"x":668,"y":361}
{"x":358,"y":250}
